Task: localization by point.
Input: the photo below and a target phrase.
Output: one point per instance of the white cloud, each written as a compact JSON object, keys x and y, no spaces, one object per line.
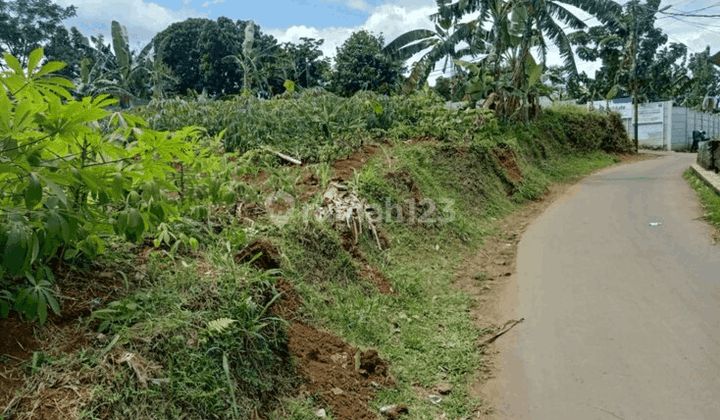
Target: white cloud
{"x":390,"y":19}
{"x":142,"y":19}
{"x":208,"y":3}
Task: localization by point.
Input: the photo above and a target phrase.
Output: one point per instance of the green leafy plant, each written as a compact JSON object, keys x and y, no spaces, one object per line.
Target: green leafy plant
{"x":66,"y":167}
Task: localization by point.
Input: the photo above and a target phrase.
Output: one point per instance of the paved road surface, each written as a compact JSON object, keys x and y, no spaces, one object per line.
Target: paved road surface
{"x":622,"y":318}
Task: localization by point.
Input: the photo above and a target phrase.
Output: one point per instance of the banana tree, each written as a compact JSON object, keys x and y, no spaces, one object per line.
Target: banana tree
{"x":440,"y":44}
{"x":120,"y":73}
{"x":248,"y":59}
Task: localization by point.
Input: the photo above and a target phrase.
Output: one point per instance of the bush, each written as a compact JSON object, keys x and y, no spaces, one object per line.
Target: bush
{"x":69,"y":172}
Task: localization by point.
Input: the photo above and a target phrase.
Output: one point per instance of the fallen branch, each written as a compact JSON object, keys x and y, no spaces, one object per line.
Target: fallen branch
{"x":283,"y":156}
{"x":507,"y":327}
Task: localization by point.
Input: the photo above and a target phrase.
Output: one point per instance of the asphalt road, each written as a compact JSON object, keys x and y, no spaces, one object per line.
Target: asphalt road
{"x":622,"y":317}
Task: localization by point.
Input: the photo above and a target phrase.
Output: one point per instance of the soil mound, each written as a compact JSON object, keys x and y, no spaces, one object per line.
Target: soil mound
{"x":345,"y":168}
{"x":289,"y":302}
{"x":329,"y":366}
{"x":506,"y":159}
{"x":269,"y":258}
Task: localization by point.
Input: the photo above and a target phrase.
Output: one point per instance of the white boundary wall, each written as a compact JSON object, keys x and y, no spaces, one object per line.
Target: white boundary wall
{"x":685,"y":121}
{"x":660,"y":123}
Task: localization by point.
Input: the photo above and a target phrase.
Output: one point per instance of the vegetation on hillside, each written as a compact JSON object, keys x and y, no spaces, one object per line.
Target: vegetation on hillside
{"x":165,"y":205}
{"x":198,"y":270}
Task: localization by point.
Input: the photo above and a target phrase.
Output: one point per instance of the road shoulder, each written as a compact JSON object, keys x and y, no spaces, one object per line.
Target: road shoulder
{"x":490,"y":277}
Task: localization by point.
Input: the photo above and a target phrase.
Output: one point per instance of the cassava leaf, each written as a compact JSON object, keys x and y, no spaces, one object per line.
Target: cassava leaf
{"x":33,"y":192}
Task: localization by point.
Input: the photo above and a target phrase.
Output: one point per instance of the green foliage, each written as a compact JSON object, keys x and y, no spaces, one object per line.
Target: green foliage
{"x":513,"y":28}
{"x":312,"y":126}
{"x":224,"y":57}
{"x":438,"y":44}
{"x":308,"y":69}
{"x":25,"y":25}
{"x":709,"y":198}
{"x":588,"y":131}
{"x":65,"y":178}
{"x":222,"y":352}
{"x":360,"y":64}
{"x":70,"y":47}
{"x":650,"y":60}
{"x":702,"y":79}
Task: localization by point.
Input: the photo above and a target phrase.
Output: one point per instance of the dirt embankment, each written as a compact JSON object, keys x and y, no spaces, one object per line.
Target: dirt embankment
{"x":343,"y":377}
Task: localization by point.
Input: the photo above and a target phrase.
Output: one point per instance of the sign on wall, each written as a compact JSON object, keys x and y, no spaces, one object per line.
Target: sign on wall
{"x":625,"y":110}
{"x":650,"y":113}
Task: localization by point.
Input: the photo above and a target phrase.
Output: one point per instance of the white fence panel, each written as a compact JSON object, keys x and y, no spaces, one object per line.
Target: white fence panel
{"x":662,"y":124}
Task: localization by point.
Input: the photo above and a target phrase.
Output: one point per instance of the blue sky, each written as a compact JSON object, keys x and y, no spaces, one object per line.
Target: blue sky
{"x":335,"y":20}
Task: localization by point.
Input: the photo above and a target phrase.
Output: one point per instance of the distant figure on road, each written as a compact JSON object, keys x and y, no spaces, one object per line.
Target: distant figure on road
{"x":698,"y":136}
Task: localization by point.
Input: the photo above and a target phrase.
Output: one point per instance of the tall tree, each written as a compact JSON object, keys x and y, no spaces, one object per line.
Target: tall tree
{"x":27,"y":24}
{"x":71,"y":47}
{"x":196,"y":51}
{"x":360,"y":64}
{"x":308,"y":69}
{"x":703,"y":81}
{"x":631,"y":50}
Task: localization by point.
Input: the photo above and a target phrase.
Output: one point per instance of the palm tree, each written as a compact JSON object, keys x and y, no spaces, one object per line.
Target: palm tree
{"x":438,"y":44}
{"x":521,"y":25}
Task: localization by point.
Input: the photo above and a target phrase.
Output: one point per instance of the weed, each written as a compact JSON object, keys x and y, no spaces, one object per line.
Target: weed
{"x":709,"y":198}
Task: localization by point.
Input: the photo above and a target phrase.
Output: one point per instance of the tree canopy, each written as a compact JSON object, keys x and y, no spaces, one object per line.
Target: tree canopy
{"x":655,"y":59}
{"x":200,"y":53}
{"x":360,"y":64}
{"x":26,"y":25}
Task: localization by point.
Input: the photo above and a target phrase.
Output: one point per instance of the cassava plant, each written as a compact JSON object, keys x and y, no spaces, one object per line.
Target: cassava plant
{"x":68,"y":174}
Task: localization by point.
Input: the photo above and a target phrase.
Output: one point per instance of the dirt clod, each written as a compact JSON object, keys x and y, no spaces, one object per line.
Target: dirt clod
{"x":327,"y":363}
{"x":394,"y":411}
{"x":289,"y":302}
{"x":269,"y":258}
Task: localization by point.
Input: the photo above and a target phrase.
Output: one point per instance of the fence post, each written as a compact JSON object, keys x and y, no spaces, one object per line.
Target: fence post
{"x":686,"y":127}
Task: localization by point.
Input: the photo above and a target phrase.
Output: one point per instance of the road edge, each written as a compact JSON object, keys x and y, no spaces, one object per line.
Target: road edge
{"x":709,"y":177}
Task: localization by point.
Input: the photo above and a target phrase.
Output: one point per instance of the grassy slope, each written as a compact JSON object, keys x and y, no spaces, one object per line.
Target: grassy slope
{"x":708,"y":197}
{"x":423,"y":330}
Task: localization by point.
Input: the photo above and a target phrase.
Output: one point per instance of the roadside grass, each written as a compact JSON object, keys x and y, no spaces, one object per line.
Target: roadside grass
{"x":193,"y":337}
{"x":708,"y":197}
{"x":424,"y":330}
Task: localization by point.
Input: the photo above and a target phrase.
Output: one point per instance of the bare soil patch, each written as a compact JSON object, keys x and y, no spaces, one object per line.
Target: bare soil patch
{"x":258,"y":179}
{"x":506,"y":159}
{"x":345,"y":168}
{"x":269,"y":255}
{"x":311,"y":182}
{"x":344,"y":378}
{"x":289,"y":302}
